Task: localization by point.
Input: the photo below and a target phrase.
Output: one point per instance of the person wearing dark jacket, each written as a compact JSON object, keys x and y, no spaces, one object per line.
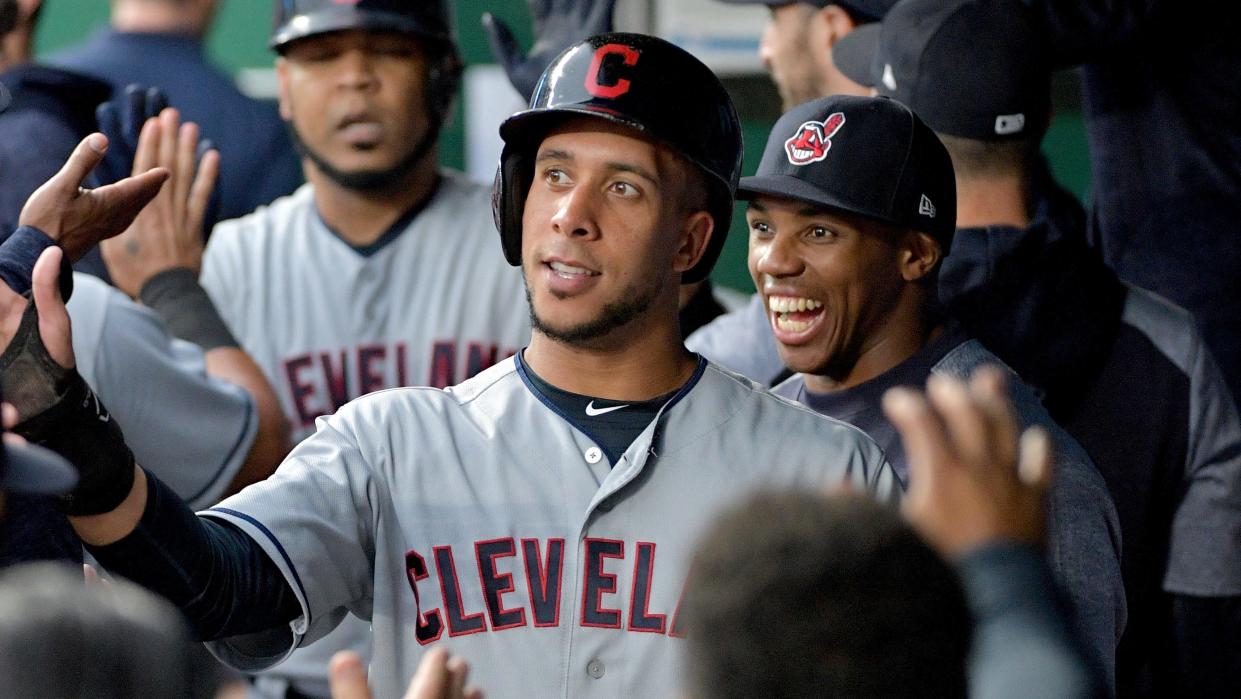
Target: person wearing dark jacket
{"x":1124,"y":370}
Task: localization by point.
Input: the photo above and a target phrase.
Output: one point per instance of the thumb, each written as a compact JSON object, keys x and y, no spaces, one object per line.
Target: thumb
{"x":80,"y":163}
{"x":503,"y":44}
{"x":53,"y":316}
{"x":347,"y":676}
{"x":1034,"y":466}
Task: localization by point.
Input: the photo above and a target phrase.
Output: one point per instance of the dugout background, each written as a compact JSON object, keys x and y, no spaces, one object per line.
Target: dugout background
{"x":238,"y":44}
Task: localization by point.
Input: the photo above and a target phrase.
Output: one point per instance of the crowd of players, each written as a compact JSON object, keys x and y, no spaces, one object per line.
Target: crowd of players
{"x":1069,"y":526}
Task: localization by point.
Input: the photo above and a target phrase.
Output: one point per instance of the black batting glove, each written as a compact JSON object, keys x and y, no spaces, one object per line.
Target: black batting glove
{"x":558,"y":24}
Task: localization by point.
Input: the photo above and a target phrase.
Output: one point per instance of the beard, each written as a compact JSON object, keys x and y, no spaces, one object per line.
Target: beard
{"x":368,"y":181}
{"x":613,"y":315}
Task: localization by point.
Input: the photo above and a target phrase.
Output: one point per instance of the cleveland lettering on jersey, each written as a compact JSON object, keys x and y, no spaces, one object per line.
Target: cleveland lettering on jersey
{"x":319,"y":383}
{"x":501,"y":562}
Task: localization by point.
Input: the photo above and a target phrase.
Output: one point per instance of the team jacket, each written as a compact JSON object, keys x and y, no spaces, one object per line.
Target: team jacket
{"x":1127,"y":373}
{"x":479,"y":519}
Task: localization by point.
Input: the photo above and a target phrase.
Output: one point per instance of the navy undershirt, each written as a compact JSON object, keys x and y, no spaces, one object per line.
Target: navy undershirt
{"x":611,"y":424}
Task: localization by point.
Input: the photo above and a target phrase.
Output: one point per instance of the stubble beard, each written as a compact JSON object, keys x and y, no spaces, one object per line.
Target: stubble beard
{"x":613,"y":315}
{"x":368,"y":181}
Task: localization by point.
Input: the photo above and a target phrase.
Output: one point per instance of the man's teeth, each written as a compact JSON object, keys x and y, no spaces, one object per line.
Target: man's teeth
{"x":791,"y":304}
{"x":569,"y":270}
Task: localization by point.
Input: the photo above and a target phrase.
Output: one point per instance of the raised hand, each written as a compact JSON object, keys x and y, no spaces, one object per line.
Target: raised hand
{"x":972,"y":479}
{"x":53,"y":317}
{"x":169,"y":233}
{"x":77,"y":218}
{"x":439,"y":676}
{"x":558,"y":24}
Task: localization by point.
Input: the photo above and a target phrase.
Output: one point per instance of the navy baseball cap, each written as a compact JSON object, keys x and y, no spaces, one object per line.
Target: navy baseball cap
{"x":862,"y":11}
{"x":870,"y":156}
{"x":970,"y":68}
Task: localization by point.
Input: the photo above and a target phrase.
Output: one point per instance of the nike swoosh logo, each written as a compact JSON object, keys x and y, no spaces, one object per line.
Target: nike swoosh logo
{"x":592,"y":411}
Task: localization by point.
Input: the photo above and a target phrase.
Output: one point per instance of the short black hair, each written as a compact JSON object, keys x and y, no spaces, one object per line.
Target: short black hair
{"x":797,"y":595}
{"x":60,"y":637}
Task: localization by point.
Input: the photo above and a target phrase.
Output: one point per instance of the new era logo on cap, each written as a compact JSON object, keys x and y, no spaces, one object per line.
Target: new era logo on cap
{"x":813,"y":140}
{"x":925,"y":207}
{"x":889,"y":78}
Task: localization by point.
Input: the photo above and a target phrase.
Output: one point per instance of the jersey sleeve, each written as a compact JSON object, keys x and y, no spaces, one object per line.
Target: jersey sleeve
{"x":1204,"y":557}
{"x":189,"y":429}
{"x":315,"y":518}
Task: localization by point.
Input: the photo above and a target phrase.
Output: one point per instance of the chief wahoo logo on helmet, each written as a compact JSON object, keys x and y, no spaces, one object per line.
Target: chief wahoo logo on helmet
{"x":813,"y":140}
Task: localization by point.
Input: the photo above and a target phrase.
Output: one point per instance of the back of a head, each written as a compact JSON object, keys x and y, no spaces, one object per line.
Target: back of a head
{"x":63,"y":639}
{"x":797,"y":595}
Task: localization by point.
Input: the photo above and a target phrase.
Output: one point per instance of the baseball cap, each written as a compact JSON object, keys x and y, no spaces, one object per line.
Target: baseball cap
{"x":862,"y":11}
{"x":870,"y":156}
{"x":970,"y":68}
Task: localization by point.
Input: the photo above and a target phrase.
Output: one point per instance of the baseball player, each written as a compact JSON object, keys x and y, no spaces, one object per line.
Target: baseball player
{"x":537,"y":518}
{"x":382,"y":270}
{"x":851,"y":210}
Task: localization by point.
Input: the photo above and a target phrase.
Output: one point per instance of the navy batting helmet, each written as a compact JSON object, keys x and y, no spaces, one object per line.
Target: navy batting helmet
{"x":429,"y":20}
{"x":643,"y":83}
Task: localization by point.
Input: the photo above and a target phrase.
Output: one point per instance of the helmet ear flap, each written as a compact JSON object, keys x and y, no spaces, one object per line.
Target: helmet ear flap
{"x":508,"y":200}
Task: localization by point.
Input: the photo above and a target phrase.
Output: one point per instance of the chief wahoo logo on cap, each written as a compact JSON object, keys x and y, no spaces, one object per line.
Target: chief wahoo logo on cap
{"x":813,"y":140}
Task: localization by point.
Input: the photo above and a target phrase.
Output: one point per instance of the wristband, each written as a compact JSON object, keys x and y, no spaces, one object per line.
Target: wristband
{"x":63,"y":414}
{"x":183,"y":304}
{"x":18,"y":255}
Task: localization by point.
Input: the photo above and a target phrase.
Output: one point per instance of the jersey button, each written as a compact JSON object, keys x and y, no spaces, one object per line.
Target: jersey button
{"x":593,"y":455}
{"x":595,"y":668}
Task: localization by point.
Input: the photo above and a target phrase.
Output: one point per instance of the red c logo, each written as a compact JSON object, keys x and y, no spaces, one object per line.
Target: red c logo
{"x":598,"y":89}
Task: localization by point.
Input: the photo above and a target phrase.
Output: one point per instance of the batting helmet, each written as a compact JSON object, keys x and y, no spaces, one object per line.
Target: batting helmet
{"x":429,"y":20}
{"x":642,"y":83}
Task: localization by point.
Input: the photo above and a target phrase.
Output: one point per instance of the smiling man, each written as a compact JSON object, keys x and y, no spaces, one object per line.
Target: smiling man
{"x":852,"y":210}
{"x":537,"y":519}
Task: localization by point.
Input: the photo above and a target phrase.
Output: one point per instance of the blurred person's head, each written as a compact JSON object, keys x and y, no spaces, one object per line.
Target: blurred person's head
{"x":189,"y":17}
{"x":976,"y":72}
{"x":63,"y":639}
{"x":366,"y":87}
{"x":800,"y":595}
{"x":797,"y":44}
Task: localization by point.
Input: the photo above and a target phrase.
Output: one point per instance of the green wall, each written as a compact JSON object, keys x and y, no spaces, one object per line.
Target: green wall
{"x":239,"y":40}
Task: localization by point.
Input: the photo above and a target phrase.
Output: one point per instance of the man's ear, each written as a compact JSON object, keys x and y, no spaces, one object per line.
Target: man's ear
{"x":836,"y":21}
{"x":920,"y":256}
{"x":696,"y":232}
{"x":282,"y":88}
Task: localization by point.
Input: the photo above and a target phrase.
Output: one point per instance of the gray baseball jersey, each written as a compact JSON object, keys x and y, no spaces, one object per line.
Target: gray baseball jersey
{"x":189,"y":429}
{"x":429,"y":304}
{"x":478,"y":518}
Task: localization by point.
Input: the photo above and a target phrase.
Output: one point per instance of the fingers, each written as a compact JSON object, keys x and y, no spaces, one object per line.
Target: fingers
{"x":1034,"y":466}
{"x":81,"y":161}
{"x":926,"y":443}
{"x":8,"y":416}
{"x":156,"y":102}
{"x":431,"y":681}
{"x":966,"y":425}
{"x":200,"y":192}
{"x":347,"y":676}
{"x":169,"y":132}
{"x":989,"y":391}
{"x":184,"y":164}
{"x":503,"y":44}
{"x":146,"y":156}
{"x":458,"y":672}
{"x":53,"y":316}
